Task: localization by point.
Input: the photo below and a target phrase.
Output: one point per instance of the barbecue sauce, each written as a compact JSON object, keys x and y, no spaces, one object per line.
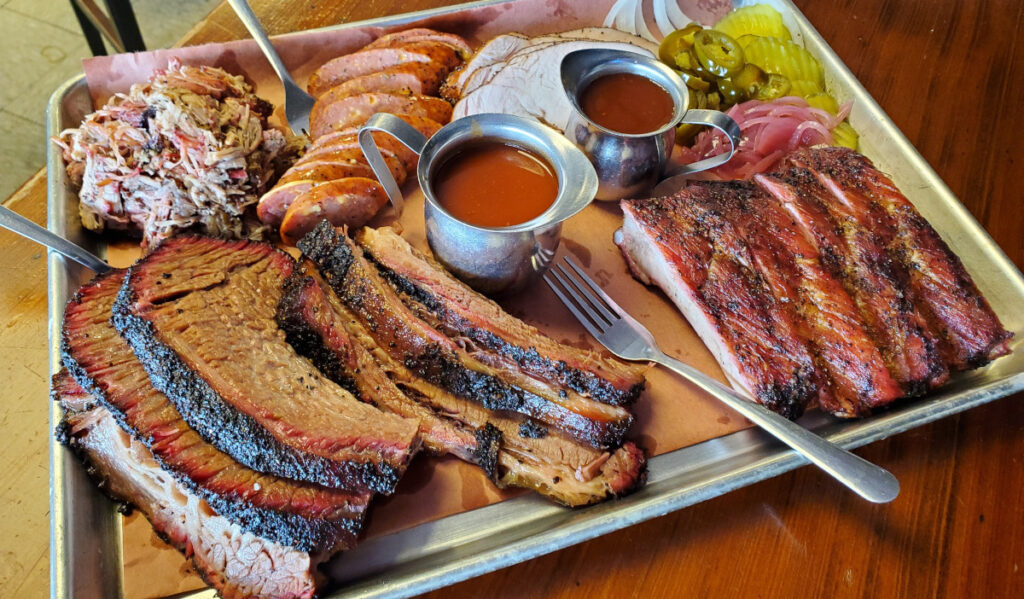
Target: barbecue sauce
{"x":495,"y":184}
{"x":627,"y":103}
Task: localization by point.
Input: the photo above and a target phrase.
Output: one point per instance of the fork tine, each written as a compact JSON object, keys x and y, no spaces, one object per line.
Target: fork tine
{"x":583,"y":318}
{"x":608,"y":301}
{"x":590,"y":298}
{"x":583,"y":300}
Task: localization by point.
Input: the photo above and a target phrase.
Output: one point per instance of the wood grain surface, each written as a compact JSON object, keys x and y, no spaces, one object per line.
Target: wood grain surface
{"x":951,"y":75}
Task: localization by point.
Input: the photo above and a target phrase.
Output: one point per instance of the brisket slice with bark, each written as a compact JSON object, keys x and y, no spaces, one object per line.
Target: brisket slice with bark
{"x":511,"y":449}
{"x":237,"y":563}
{"x":199,"y":314}
{"x":301,"y":515}
{"x":461,"y":312}
{"x":431,"y":355}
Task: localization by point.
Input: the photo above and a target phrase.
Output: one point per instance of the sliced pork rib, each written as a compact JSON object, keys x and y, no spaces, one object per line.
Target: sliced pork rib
{"x":237,"y":563}
{"x":433,"y":356}
{"x":854,"y":254}
{"x":461,"y":312}
{"x":511,"y":449}
{"x":301,"y":515}
{"x":199,"y":315}
{"x":938,"y":282}
{"x":872,"y":294}
{"x":753,"y":336}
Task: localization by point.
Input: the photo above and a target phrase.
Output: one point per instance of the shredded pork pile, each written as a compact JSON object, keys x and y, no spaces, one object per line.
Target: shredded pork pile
{"x":189,"y":149}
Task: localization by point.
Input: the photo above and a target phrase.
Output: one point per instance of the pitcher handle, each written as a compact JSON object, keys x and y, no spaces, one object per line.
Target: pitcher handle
{"x":404,"y":133}
{"x":720,"y":121}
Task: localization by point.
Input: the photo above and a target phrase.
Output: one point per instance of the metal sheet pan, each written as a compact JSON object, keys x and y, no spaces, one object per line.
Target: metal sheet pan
{"x":86,"y":556}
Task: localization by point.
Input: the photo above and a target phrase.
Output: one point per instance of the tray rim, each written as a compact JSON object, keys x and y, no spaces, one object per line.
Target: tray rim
{"x":745,"y":457}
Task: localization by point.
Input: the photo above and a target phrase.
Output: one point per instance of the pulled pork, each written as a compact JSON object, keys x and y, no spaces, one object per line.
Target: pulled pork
{"x":189,"y":149}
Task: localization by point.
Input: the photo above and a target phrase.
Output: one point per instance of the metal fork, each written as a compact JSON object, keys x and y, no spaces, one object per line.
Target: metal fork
{"x":630,"y":340}
{"x":297,"y":103}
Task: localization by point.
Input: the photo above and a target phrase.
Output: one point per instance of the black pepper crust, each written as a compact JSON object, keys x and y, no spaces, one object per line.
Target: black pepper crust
{"x":528,"y":358}
{"x":488,"y":446}
{"x":125,"y":506}
{"x":286,"y":528}
{"x":227,"y":429}
{"x":333,"y":254}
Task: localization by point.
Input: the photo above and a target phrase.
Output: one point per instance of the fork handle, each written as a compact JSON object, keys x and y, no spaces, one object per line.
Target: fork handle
{"x":252,"y":23}
{"x":866,"y":479}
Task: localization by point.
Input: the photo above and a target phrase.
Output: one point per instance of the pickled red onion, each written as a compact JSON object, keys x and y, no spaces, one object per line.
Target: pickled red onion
{"x":770,"y":131}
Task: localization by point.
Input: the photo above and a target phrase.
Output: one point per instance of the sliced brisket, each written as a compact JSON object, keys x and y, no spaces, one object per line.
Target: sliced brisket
{"x":460,"y":312}
{"x":301,"y":515}
{"x":237,"y":563}
{"x":510,"y":448}
{"x":199,"y":314}
{"x":431,"y":355}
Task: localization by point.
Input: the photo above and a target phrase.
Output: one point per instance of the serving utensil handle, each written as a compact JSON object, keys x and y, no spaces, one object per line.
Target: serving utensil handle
{"x":720,"y":121}
{"x":252,"y":24}
{"x":864,"y":478}
{"x":13,"y":221}
{"x":404,"y":133}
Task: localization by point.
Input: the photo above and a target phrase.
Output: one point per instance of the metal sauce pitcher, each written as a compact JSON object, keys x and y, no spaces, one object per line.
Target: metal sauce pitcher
{"x":629,"y":165}
{"x":493,"y":260}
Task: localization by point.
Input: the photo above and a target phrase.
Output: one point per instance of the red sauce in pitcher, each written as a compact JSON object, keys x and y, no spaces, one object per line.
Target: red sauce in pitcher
{"x":495,"y":184}
{"x":627,"y":103}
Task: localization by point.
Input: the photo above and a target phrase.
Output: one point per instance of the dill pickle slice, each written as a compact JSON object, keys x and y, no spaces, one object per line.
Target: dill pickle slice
{"x":804,"y":88}
{"x":718,"y":53}
{"x":824,"y":102}
{"x":685,"y":133}
{"x":756,"y":19}
{"x":714,"y":101}
{"x":784,"y":58}
{"x":844,"y":135}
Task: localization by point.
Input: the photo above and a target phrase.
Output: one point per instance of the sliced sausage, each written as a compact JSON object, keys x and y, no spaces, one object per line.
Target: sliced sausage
{"x":274,"y":204}
{"x":365,"y":62}
{"x":348,"y":155}
{"x":338,"y":165}
{"x":354,"y":111}
{"x":422,"y":34}
{"x":323,"y":171}
{"x":414,"y":78}
{"x":351,"y":202}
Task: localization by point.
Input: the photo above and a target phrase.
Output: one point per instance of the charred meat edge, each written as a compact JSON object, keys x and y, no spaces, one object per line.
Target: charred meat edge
{"x":528,"y":358}
{"x":234,"y":433}
{"x":505,"y":459}
{"x":176,"y":526}
{"x":295,"y":530}
{"x":334,"y":254}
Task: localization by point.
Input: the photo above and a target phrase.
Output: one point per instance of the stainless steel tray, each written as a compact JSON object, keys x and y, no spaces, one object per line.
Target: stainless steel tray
{"x":86,"y":530}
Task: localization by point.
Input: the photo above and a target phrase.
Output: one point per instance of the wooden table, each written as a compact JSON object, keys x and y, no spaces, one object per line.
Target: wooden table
{"x":951,"y":74}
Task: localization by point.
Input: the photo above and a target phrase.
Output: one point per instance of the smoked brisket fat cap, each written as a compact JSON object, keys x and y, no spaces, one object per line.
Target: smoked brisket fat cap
{"x":199,"y":314}
{"x":235,"y":562}
{"x":512,"y":450}
{"x":410,"y":335}
{"x":301,"y":515}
